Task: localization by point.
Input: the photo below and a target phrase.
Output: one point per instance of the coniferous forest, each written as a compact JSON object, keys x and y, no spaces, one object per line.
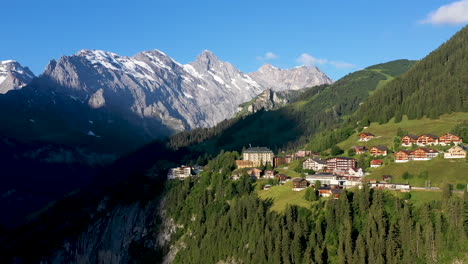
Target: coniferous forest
{"x":436,"y":85}
{"x":224,"y":221}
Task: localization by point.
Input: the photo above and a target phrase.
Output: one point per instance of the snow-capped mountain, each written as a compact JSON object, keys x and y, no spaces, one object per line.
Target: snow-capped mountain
{"x":13,"y":76}
{"x":296,"y":78}
{"x":152,"y":85}
{"x":97,"y":96}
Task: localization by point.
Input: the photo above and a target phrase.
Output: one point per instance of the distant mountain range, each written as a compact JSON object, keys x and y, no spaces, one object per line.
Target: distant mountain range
{"x":100,"y":97}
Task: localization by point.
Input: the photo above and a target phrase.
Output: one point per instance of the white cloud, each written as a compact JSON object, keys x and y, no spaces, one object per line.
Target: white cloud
{"x":307,"y":59}
{"x":268,"y":56}
{"x":453,"y":13}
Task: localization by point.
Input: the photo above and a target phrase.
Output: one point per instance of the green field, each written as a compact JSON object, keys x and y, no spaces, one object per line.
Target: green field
{"x":439,"y":171}
{"x":386,"y":132}
{"x":282,"y":195}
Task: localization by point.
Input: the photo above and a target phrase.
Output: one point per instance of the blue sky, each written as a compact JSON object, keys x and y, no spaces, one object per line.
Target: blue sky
{"x":337,"y":36}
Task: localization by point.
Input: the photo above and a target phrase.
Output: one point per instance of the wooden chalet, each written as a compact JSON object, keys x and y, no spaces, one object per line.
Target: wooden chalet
{"x":448,"y":139}
{"x":403,"y":156}
{"x":282,"y":177}
{"x":379,"y":151}
{"x":365,"y":136}
{"x":424,"y":154}
{"x":299,"y":184}
{"x":427,"y":139}
{"x":409,"y":140}
{"x":359,"y":149}
{"x":254,"y":172}
{"x":456,"y":152}
{"x":375,"y":163}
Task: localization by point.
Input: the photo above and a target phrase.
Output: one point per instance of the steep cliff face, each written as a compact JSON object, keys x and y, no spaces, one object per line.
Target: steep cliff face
{"x":120,"y":234}
{"x":268,"y":100}
{"x":296,"y":78}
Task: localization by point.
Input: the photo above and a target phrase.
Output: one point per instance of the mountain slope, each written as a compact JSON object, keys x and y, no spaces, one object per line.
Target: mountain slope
{"x":436,"y":85}
{"x":317,"y":109}
{"x":296,"y":78}
{"x":151,"y":84}
{"x":13,"y":76}
{"x":97,"y":98}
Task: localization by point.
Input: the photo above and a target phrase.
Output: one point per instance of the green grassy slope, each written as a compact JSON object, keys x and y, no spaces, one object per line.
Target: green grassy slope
{"x":439,"y":171}
{"x":282,"y":195}
{"x":436,"y":85}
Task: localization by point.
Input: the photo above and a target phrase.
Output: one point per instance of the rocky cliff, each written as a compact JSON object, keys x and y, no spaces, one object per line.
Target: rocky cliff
{"x":13,"y":76}
{"x":267,"y":100}
{"x":296,"y":78}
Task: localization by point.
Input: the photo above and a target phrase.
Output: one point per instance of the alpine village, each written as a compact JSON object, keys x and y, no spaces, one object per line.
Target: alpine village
{"x":117,"y":159}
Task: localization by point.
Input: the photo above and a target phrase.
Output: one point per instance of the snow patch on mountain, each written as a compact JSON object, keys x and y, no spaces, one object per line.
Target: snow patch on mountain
{"x":13,"y":76}
{"x":152,"y":86}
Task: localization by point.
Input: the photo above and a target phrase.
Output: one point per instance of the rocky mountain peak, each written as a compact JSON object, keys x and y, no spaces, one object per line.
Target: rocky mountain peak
{"x":207,"y":60}
{"x":289,"y":79}
{"x":13,"y":76}
{"x":267,"y":67}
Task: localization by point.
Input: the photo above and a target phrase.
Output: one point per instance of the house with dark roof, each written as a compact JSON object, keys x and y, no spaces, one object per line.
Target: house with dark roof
{"x":424,"y":154}
{"x":403,"y":156}
{"x":456,"y":152}
{"x":299,"y":184}
{"x":379,"y":151}
{"x":409,"y":140}
{"x":448,"y":139}
{"x":427,"y":139}
{"x":359,"y":149}
{"x":316,"y":164}
{"x":258,"y":155}
{"x":282,"y":177}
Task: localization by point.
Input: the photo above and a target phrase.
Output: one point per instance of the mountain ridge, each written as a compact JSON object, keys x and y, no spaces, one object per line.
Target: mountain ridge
{"x":150,"y":91}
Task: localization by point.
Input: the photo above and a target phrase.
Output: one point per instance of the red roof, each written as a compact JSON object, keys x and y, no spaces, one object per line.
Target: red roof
{"x":376,"y":162}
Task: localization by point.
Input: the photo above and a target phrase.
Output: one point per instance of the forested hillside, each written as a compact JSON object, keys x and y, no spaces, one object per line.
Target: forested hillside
{"x":224,"y":221}
{"x":436,"y":85}
{"x":294,"y":124}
